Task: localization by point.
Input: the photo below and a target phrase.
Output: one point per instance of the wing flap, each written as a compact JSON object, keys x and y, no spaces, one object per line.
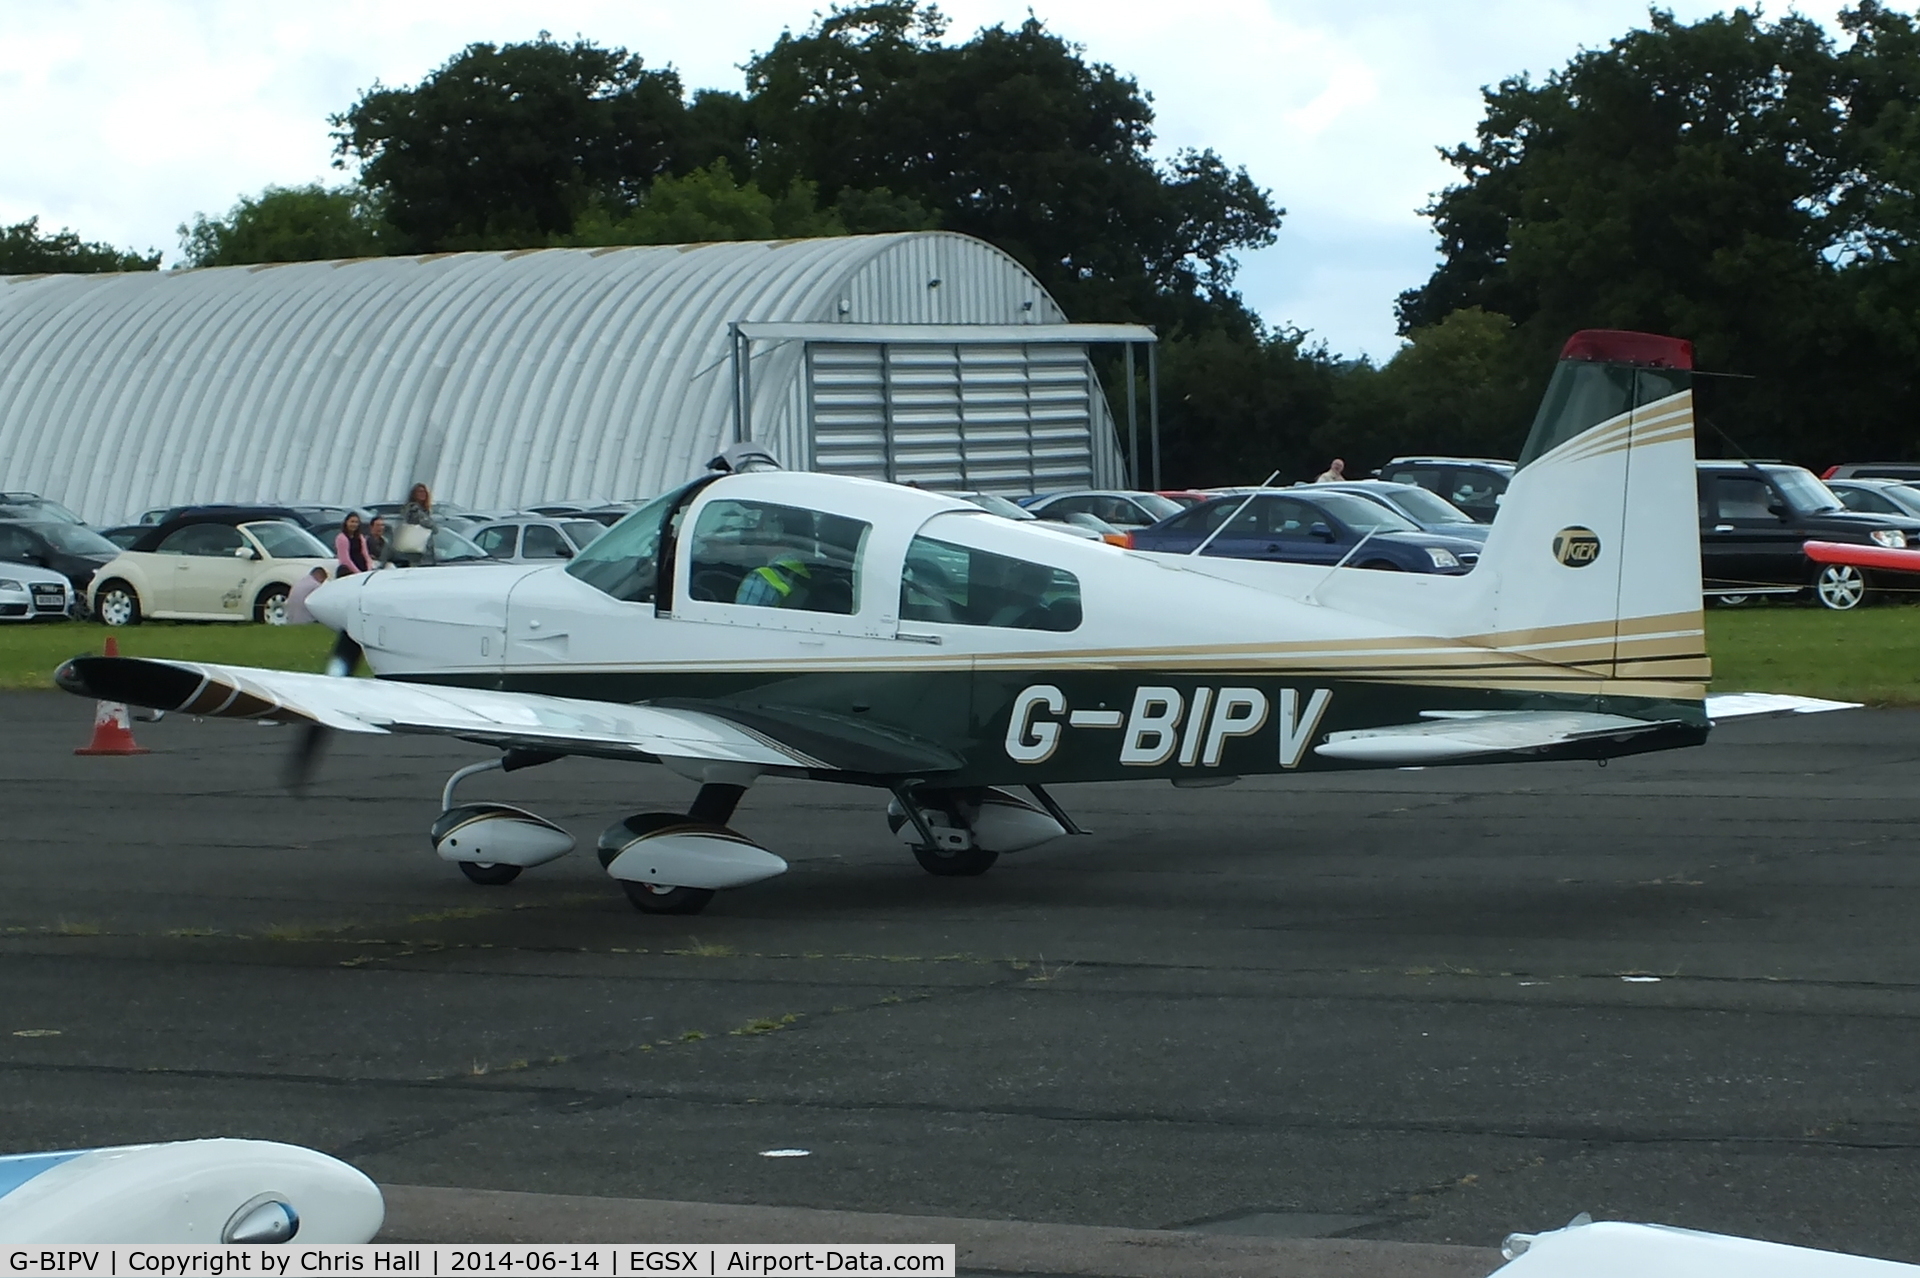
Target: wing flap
{"x":1476,"y":734}
{"x":508,"y":720}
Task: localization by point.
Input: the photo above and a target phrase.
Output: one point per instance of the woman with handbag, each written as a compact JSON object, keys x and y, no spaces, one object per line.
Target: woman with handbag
{"x":411,"y":542}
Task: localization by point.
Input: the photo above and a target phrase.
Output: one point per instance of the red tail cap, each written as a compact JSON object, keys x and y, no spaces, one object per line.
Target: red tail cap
{"x":1619,"y":346}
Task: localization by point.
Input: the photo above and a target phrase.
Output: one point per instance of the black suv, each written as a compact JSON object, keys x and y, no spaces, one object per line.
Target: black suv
{"x":1755,"y":517}
{"x":1474,"y":484}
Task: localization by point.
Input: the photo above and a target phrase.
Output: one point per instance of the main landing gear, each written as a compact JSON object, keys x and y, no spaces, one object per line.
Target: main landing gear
{"x":666,"y":862}
{"x":962,"y":832}
{"x":669,"y":863}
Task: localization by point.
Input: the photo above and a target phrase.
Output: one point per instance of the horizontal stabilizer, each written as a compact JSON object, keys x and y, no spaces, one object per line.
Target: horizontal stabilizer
{"x":1723,"y":706}
{"x":1447,"y":737}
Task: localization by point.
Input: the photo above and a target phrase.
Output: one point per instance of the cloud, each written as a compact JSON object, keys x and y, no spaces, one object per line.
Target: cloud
{"x":141,"y":115}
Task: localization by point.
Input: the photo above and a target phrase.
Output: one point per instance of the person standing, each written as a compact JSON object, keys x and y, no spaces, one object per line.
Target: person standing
{"x":377,"y":540}
{"x":412,"y":542}
{"x":350,"y":549}
{"x":1335,"y":473}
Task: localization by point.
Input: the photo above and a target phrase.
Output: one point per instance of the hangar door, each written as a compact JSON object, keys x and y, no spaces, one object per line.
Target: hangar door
{"x":1002,"y":418}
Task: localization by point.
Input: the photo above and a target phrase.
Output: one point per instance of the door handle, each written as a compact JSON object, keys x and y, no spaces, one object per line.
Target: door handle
{"x":1723,"y":527}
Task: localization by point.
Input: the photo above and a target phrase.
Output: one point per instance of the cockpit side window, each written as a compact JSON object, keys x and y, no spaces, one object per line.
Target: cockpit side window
{"x":625,"y":562}
{"x":968,"y":587}
{"x":764,"y":555}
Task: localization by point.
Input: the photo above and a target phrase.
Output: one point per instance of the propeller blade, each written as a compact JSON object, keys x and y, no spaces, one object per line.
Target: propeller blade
{"x":305,"y":758}
{"x":343,"y":662}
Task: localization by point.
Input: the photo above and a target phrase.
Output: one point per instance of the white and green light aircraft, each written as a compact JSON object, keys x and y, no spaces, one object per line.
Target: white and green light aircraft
{"x":754,"y":623}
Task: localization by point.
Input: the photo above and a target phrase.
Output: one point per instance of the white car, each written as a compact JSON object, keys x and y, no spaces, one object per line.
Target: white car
{"x":33,"y":594}
{"x":204,"y":570}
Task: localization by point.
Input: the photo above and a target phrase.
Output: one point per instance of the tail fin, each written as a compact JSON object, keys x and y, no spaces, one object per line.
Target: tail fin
{"x":1594,"y":559}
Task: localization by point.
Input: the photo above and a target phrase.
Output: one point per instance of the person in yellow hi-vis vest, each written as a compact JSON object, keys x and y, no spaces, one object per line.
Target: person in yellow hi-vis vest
{"x":784,"y":583}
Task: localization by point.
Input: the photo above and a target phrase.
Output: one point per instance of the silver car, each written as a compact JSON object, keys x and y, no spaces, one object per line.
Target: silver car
{"x":33,"y":594}
{"x":530,"y":539}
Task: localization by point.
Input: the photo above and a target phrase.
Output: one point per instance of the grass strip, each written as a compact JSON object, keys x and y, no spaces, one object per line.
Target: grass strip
{"x":30,"y":653}
{"x":1870,"y":654}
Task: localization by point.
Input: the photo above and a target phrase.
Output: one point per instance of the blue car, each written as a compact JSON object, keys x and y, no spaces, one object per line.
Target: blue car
{"x":1308,"y":526}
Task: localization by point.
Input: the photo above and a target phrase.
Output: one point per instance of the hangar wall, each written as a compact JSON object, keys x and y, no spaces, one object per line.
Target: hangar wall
{"x":498,"y":378}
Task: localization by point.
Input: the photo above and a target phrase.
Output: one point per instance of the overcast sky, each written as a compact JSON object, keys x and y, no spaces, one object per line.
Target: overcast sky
{"x":125,"y":118}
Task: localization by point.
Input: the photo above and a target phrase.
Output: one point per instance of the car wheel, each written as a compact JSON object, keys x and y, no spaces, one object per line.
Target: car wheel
{"x":1840,"y":587}
{"x":118,"y":604}
{"x":489,"y":873}
{"x":1733,"y":601}
{"x":270,"y":608}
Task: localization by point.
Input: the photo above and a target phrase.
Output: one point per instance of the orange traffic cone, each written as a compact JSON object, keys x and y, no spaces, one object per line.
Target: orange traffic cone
{"x":112,"y":734}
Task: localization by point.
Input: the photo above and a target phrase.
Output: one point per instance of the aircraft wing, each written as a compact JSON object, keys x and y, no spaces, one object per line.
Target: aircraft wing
{"x":709,"y":732}
{"x":1450,"y":735}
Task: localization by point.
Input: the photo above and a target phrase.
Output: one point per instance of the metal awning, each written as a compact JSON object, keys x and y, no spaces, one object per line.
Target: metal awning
{"x":1083,"y":334}
{"x":744,"y":333}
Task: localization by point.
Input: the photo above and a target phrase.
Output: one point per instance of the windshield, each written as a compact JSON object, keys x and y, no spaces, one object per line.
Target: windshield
{"x":625,"y":561}
{"x":1428,"y":508}
{"x":1362,"y":515}
{"x":449,"y":547}
{"x":1802,"y":490}
{"x":76,"y":540}
{"x":283,"y":540}
{"x":995,"y":505}
{"x":584,"y":532}
{"x":1907,"y":499}
{"x":40,"y":508}
{"x":1157,"y":506}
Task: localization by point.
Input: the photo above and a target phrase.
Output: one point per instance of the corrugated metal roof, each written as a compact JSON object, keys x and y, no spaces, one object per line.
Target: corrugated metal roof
{"x":497,"y":378}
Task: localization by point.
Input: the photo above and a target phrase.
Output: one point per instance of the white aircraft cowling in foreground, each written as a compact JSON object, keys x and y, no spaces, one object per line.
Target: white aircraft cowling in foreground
{"x":761,"y":623}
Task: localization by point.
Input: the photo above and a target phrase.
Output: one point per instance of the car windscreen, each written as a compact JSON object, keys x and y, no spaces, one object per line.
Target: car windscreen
{"x":995,"y":505}
{"x":584,"y":532}
{"x":1362,"y":515}
{"x":39,"y":508}
{"x":283,"y":540}
{"x":1802,"y":491}
{"x":1157,"y":506}
{"x":449,"y":547}
{"x":1427,"y":507}
{"x":1906,"y":498}
{"x":76,"y":539}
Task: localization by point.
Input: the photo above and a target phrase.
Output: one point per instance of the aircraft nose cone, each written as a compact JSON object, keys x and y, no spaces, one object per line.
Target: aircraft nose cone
{"x":334,"y":603}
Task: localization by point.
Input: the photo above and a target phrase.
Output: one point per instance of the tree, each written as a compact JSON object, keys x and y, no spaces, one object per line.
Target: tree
{"x":1234,"y":409}
{"x":1014,"y":137}
{"x":287,"y":224}
{"x":25,"y":251}
{"x":1741,"y":183}
{"x":506,"y":146}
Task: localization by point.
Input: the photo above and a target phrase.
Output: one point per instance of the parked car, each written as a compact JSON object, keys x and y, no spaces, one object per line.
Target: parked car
{"x":1474,"y":484}
{"x":1873,"y":470}
{"x":31,"y":593}
{"x":72,"y":550}
{"x":1877,"y":496}
{"x":321,"y":521}
{"x":1756,"y":517}
{"x":1312,"y":526}
{"x":126,"y":534}
{"x":1430,"y":511}
{"x":530,"y":539}
{"x":34,"y":508}
{"x":208,"y":567}
{"x":1120,"y":508}
{"x":1188,"y":497}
